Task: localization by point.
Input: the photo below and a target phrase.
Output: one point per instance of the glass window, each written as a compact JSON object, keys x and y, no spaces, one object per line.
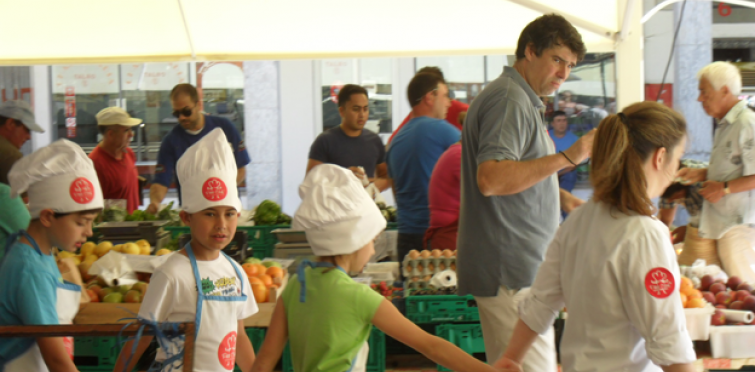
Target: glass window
{"x":465,"y":75}
{"x":374,"y":74}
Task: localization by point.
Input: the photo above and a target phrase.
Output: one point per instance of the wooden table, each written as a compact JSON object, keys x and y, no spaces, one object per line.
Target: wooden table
{"x":107,"y":313}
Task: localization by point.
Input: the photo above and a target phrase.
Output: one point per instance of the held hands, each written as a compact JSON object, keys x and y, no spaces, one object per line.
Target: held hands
{"x":582,"y":149}
{"x":507,"y":365}
{"x":712,"y":191}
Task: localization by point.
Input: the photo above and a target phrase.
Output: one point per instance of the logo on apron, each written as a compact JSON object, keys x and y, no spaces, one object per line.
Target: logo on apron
{"x":214,"y":189}
{"x":81,"y":190}
{"x":659,"y":282}
{"x":227,"y":351}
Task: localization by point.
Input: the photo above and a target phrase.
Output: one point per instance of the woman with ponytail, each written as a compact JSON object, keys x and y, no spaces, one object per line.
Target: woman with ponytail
{"x":611,"y":263}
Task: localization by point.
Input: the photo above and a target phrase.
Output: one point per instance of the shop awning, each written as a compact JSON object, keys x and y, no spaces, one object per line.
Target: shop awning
{"x":109,"y":31}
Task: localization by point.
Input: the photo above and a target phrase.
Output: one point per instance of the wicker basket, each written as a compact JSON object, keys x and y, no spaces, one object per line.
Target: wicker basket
{"x":696,"y":248}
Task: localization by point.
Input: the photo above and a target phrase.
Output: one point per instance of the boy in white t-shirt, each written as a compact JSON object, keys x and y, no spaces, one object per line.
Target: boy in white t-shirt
{"x":200,"y":283}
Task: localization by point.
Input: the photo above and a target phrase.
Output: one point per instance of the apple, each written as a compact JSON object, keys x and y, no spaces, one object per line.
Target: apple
{"x":706,"y":282}
{"x":141,"y":287}
{"x":717,"y":287}
{"x":749,"y":303}
{"x":113,"y":298}
{"x":95,"y":287}
{"x":104,"y":292}
{"x":709,"y":296}
{"x":736,"y":305}
{"x":744,"y":287}
{"x":741,"y":295}
{"x":720,"y":307}
{"x":733,"y":282}
{"x":123,"y":288}
{"x":718,"y":318}
{"x":723,"y":298}
{"x":133,"y":296}
{"x":93,"y":297}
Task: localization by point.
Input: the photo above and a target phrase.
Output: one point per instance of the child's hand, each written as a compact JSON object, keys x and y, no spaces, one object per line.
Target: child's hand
{"x":507,"y":365}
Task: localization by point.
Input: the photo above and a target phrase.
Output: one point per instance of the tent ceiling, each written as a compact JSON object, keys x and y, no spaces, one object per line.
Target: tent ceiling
{"x":97,"y":31}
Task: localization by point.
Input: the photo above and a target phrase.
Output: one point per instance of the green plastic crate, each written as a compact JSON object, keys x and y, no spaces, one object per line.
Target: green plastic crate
{"x":442,"y":309}
{"x":467,"y":337}
{"x":375,"y":360}
{"x":93,"y":354}
{"x":258,"y":235}
{"x":262,"y":250}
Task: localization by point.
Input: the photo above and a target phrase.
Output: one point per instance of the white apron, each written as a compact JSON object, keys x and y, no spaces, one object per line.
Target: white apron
{"x":215,"y":345}
{"x":67,"y":305}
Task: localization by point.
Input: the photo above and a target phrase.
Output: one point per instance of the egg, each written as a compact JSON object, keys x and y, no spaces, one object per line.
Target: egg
{"x":447,"y":253}
{"x":420,"y":268}
{"x":431,"y":267}
{"x":436,"y":253}
{"x":427,"y":278}
{"x":453,"y":253}
{"x":424,"y":254}
{"x":409,"y":268}
{"x":442,"y":266}
{"x":413,"y":254}
{"x":453,"y":266}
{"x":415,"y":279}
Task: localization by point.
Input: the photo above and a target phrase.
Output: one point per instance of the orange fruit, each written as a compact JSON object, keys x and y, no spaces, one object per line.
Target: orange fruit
{"x":686,"y":284}
{"x":275,"y":272}
{"x":693,"y":293}
{"x":695,"y":303}
{"x":266,"y":279}
{"x":255,"y":280}
{"x":250,"y":269}
{"x":260,"y":292}
{"x":684,"y":299}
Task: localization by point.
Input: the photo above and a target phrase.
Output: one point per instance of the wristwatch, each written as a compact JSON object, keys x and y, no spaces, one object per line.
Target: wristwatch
{"x":726,"y":188}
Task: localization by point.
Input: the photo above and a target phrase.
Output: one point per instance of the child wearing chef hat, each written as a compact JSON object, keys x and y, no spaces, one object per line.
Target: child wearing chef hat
{"x":200,"y":283}
{"x":612,"y":264}
{"x":326,"y":315}
{"x":64,"y":199}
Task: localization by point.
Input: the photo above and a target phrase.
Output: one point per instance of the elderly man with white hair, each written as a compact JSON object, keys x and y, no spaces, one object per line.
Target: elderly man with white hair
{"x":728,"y":214}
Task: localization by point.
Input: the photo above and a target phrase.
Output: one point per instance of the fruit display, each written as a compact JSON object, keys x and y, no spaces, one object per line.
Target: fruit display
{"x":267,"y":279}
{"x":270,"y":213}
{"x":90,"y":253}
{"x":692,"y":298}
{"x":732,"y":294}
{"x":419,"y":267}
{"x":389,"y":213}
{"x":98,"y":291}
{"x":390,"y":292}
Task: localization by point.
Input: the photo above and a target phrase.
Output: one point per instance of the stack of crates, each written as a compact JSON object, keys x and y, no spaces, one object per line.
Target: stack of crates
{"x":261,"y":239}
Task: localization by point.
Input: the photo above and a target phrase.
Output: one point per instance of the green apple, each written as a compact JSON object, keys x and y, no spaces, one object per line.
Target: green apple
{"x":113,"y":298}
{"x":253,"y":260}
{"x":124,"y":288}
{"x":141,"y":287}
{"x":104,"y":292}
{"x":133,"y":296}
{"x":270,"y":264}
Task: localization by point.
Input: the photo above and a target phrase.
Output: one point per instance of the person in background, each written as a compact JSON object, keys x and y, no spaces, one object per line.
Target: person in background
{"x":193,"y":125}
{"x":64,"y":199}
{"x":413,"y":155}
{"x":728,"y":186}
{"x":616,"y":248}
{"x":324,"y":315}
{"x":509,"y":189}
{"x":113,"y":160}
{"x":444,"y":197}
{"x":15,"y":216}
{"x":16,"y":124}
{"x":349,"y":145}
{"x":563,"y":138}
{"x":452,"y":115}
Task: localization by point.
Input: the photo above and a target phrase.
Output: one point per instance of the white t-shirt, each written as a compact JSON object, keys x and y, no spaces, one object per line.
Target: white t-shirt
{"x":618,"y":277}
{"x":172,"y":292}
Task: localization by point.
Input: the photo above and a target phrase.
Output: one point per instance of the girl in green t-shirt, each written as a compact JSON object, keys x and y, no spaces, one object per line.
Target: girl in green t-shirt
{"x":327,"y":316}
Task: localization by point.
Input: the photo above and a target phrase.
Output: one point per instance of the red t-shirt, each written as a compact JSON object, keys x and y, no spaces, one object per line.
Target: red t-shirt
{"x":452,"y":116}
{"x":444,"y":191}
{"x":118,"y":178}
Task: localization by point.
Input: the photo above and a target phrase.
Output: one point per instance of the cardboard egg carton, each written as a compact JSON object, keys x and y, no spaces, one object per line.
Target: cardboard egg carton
{"x":423,"y":267}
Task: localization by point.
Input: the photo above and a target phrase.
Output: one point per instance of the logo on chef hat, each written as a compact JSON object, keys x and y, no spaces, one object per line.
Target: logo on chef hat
{"x":659,"y":282}
{"x":81,"y":190}
{"x":227,"y":351}
{"x":214,"y":189}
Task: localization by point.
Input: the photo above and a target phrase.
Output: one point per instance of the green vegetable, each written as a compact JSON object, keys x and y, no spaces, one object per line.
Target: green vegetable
{"x":267,"y":213}
{"x":283,"y":219}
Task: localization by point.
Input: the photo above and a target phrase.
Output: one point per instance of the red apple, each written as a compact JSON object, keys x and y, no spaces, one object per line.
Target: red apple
{"x":710,"y":297}
{"x":718,"y":318}
{"x":733,"y":282}
{"x":744,"y":287}
{"x":741,"y":295}
{"x":706,"y":282}
{"x":736,"y":305}
{"x":723,"y":298}
{"x":749,"y":303}
{"x":717,"y":287}
{"x":720,"y":306}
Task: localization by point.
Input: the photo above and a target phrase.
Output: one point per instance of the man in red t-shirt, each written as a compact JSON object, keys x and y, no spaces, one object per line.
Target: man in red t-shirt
{"x":452,"y":116}
{"x":444,"y":199}
{"x":113,"y":160}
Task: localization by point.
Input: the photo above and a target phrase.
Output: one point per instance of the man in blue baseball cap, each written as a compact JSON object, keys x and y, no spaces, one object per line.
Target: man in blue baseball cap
{"x":16,"y":124}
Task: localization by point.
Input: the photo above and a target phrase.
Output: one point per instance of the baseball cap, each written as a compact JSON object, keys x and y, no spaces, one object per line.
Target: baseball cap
{"x":21,"y":111}
{"x":116,"y":116}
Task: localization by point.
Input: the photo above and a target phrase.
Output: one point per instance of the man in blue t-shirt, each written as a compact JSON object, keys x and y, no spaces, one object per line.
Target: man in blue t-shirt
{"x":193,"y":125}
{"x":412,"y":156}
{"x":563,"y":138}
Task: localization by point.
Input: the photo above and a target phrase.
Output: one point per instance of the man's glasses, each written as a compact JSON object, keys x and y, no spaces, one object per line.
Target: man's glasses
{"x":183,"y":112}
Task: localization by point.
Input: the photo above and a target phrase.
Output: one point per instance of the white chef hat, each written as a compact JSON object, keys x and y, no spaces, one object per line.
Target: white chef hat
{"x":60,"y":177}
{"x":336,"y":214}
{"x":207,"y":173}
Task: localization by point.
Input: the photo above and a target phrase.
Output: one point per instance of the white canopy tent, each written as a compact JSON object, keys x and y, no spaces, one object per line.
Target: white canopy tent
{"x":96,"y":31}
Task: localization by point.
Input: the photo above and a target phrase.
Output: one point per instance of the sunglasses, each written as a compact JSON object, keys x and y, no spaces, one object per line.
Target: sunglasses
{"x":183,"y":112}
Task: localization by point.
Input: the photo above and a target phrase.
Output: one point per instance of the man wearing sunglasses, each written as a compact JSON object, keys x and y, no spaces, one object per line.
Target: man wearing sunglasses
{"x":193,"y":125}
{"x":412,"y":156}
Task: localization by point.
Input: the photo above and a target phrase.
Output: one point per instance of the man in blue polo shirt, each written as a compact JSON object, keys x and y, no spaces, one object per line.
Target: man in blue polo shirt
{"x":193,"y":125}
{"x":563,"y":138}
{"x":413,"y":153}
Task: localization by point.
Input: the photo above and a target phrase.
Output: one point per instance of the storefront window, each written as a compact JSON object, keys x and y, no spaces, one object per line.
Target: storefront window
{"x":374,"y":74}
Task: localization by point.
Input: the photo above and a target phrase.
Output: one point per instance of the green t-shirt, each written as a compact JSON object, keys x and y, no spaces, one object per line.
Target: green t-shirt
{"x":15,"y":216}
{"x":327,"y":330}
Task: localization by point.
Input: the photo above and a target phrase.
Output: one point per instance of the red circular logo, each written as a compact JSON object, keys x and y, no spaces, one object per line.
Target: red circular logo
{"x":227,"y":351}
{"x":659,"y":282}
{"x":214,"y":189}
{"x":81,"y":190}
{"x":68,"y":344}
